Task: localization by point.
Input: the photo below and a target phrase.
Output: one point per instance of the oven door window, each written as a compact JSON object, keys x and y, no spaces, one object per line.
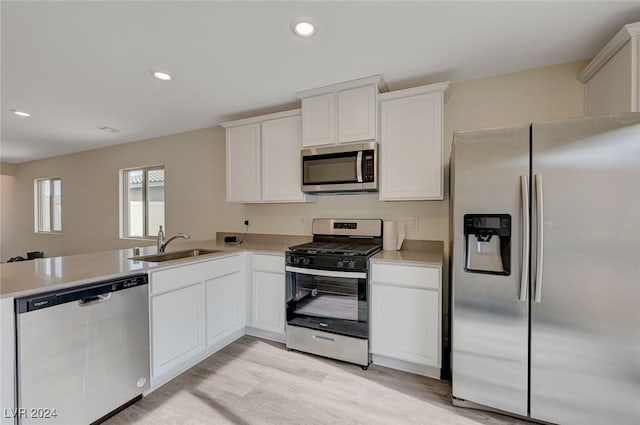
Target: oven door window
{"x":330,"y":168}
{"x":341,"y":298}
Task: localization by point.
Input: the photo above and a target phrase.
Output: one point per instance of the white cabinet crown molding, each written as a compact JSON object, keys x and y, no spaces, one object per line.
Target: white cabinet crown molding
{"x":373,"y":79}
{"x":259,"y":119}
{"x":416,"y":91}
{"x":610,"y":49}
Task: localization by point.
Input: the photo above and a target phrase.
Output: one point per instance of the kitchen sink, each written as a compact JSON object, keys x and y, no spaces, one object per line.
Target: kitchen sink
{"x":175,"y":255}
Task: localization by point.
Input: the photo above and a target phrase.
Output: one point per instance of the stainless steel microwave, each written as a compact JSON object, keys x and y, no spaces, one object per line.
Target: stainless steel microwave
{"x":340,"y":168}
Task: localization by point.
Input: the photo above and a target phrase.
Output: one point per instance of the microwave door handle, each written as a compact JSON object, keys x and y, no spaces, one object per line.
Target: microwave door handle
{"x":359,"y":166}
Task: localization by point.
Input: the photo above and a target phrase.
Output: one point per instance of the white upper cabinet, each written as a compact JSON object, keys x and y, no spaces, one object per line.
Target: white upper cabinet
{"x":281,"y":163}
{"x":341,"y":113}
{"x":411,"y":143}
{"x":357,"y":111}
{"x":263,"y":159}
{"x":319,"y":120}
{"x":612,"y":78}
{"x":243,"y":163}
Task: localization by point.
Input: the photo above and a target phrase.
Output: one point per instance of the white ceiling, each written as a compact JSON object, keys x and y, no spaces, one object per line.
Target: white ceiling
{"x":79,"y":65}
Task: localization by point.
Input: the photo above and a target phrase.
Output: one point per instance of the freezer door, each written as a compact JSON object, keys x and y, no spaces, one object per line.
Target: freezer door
{"x":585,"y":329}
{"x":490,"y":327}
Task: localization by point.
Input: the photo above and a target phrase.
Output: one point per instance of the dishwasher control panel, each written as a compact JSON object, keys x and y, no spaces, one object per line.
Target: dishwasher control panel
{"x":86,"y":292}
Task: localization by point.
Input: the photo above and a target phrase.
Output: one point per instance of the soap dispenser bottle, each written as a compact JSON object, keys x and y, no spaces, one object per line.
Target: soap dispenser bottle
{"x":160,"y":238}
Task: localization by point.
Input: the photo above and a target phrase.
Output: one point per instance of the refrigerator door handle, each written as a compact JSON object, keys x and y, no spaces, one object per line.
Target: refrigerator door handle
{"x":540,"y":238}
{"x":524,"y":274}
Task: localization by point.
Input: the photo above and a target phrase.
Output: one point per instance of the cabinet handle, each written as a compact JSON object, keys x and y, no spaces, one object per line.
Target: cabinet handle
{"x":323,"y":338}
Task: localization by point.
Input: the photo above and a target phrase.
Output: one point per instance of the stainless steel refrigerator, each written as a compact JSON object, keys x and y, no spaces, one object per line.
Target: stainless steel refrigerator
{"x":546,"y":270}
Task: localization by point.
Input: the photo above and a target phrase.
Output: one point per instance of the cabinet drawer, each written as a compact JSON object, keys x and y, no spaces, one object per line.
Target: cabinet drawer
{"x":268,"y":263}
{"x":353,"y":350}
{"x":179,"y":277}
{"x":415,"y":277}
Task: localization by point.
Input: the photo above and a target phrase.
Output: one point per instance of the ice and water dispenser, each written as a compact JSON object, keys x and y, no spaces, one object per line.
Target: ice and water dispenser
{"x":487,"y":243}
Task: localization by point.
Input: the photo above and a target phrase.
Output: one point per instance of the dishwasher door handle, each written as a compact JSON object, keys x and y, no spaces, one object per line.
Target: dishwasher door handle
{"x":86,"y":302}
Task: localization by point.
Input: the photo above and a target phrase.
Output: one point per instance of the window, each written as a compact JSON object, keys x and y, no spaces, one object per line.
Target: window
{"x":142,"y":202}
{"x":48,"y":205}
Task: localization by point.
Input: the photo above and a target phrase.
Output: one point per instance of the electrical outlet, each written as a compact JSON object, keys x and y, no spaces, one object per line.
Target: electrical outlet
{"x":413,"y":223}
{"x":246,"y":222}
{"x":304,"y":222}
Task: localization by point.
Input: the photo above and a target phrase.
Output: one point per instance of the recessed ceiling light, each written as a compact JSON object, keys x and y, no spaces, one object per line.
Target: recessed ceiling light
{"x":21,"y":113}
{"x":303,"y":28}
{"x":161,"y":75}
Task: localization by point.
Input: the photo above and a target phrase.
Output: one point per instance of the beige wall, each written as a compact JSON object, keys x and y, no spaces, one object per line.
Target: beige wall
{"x":610,"y":89}
{"x":533,"y":95}
{"x":195,"y":192}
{"x":195,"y":175}
{"x":7,"y":169}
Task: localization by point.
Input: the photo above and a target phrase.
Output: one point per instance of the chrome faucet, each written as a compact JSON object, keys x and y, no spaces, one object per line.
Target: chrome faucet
{"x":162,"y":244}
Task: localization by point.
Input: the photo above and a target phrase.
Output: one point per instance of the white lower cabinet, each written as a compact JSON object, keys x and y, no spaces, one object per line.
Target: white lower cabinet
{"x":267,"y":297}
{"x":406,"y":317}
{"x":177,"y":327}
{"x":7,"y":361}
{"x":225,"y":296}
{"x":195,"y":309}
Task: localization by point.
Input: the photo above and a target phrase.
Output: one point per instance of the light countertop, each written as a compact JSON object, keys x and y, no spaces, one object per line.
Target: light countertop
{"x":419,"y":253}
{"x":419,"y":258}
{"x":47,"y":274}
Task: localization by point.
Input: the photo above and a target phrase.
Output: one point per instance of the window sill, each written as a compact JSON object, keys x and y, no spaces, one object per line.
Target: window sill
{"x":150,"y":238}
{"x":48,"y":233}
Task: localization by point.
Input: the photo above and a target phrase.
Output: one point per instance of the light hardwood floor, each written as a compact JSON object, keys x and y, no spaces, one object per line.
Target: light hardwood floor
{"x":254,"y":381}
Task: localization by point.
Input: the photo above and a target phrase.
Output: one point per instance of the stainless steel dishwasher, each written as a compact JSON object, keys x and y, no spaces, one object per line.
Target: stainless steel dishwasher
{"x":82,"y":353}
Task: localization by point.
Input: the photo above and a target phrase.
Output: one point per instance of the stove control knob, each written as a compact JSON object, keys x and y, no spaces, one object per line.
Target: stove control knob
{"x":340,"y":264}
{"x":305,"y":260}
{"x":296,"y":260}
{"x":352,"y":264}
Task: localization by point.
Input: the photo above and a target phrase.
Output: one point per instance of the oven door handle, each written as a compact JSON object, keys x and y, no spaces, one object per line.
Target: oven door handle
{"x":327,"y":273}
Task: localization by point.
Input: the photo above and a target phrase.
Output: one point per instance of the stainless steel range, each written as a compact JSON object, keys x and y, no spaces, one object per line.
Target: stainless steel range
{"x":327,"y":294}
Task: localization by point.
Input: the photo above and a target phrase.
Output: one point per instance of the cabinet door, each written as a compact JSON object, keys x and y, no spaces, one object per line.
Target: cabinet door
{"x":357,"y":112}
{"x":7,"y":359}
{"x":281,"y":163}
{"x":405,"y":324}
{"x":224,"y":300}
{"x":177,"y":327}
{"x":411,"y":165}
{"x":318,"y":120}
{"x":243,"y":163}
{"x":267,"y":301}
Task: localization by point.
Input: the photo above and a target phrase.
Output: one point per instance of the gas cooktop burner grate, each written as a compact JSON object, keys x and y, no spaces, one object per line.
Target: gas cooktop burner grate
{"x":336,"y":248}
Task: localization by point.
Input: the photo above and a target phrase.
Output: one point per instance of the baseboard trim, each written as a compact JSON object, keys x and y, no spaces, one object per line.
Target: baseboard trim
{"x":271,"y":336}
{"x":418,"y":369}
{"x":172,"y":373}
